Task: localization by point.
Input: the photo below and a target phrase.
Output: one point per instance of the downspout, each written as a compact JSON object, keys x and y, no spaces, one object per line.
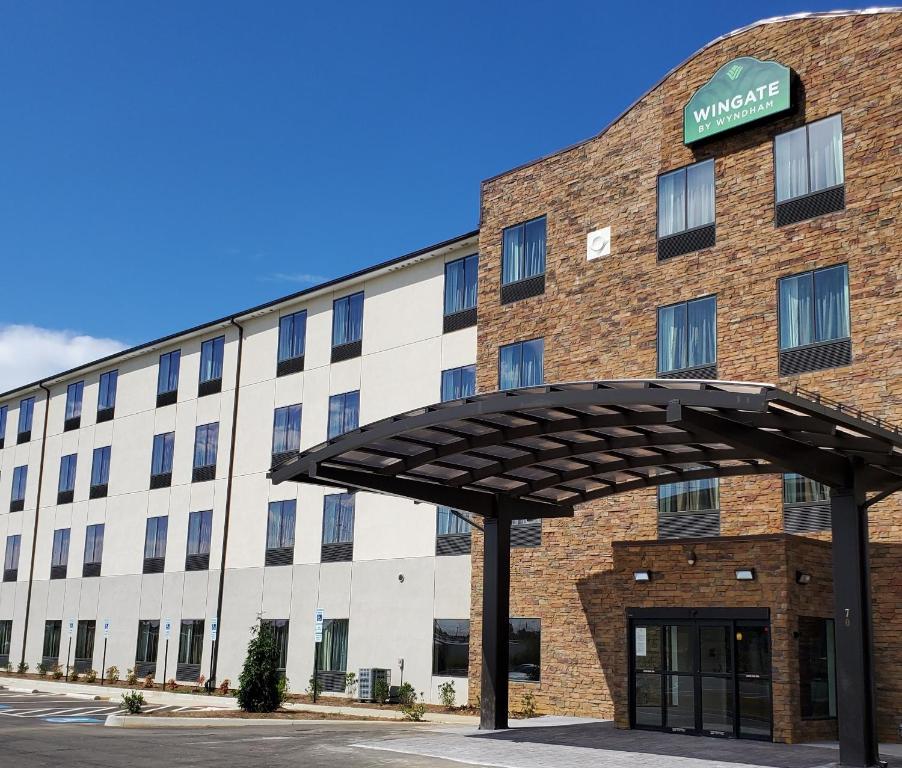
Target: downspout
{"x":228,"y":507}
{"x":37,"y":515}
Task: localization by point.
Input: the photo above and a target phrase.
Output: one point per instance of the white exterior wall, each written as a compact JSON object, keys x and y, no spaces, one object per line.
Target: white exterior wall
{"x":403,"y":354}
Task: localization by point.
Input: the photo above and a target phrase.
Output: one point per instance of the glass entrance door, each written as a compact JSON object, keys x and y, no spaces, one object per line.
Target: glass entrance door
{"x":701,"y":676}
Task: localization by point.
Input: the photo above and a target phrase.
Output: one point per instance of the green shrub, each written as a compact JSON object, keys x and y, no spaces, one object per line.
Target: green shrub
{"x":90,"y":676}
{"x":42,"y":670}
{"x":131,"y":677}
{"x":413,"y":710}
{"x":447,"y":694}
{"x":22,"y":668}
{"x":381,"y":691}
{"x":133,"y":701}
{"x":314,"y":686}
{"x":260,"y":686}
{"x":112,"y":674}
{"x":57,"y":673}
{"x":406,"y":695}
{"x":148,"y":681}
{"x":529,"y":705}
{"x":73,"y":674}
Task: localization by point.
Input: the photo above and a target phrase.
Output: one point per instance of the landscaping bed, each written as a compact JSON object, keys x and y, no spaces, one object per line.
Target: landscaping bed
{"x":279,"y":714}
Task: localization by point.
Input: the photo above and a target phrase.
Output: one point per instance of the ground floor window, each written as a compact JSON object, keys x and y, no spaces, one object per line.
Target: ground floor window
{"x":332,"y":652}
{"x":451,"y":647}
{"x":279,"y":628}
{"x":53,"y":630}
{"x":84,"y":641}
{"x":191,"y":641}
{"x":817,"y":668}
{"x":525,"y":650}
{"x":6,"y":634}
{"x":148,"y":640}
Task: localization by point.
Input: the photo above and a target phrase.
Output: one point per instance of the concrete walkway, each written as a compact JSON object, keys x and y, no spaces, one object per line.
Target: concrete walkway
{"x":157,"y":696}
{"x":558,"y":742}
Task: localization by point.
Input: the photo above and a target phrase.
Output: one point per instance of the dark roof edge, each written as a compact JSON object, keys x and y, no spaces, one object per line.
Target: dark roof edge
{"x":706,"y":46}
{"x":131,"y":351}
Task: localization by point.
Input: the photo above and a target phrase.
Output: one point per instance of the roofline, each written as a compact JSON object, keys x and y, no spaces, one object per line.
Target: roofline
{"x":705,"y":47}
{"x":247,"y":313}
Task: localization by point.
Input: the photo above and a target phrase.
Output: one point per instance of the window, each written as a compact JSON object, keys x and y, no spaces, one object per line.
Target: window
{"x":292,"y":336}
{"x":74,"y":394}
{"x":521,"y":364}
{"x":458,"y":382}
{"x":286,"y":430}
{"x":687,"y":336}
{"x":460,"y":284}
{"x":161,"y":462}
{"x":817,"y":668}
{"x":148,"y":642}
{"x":525,"y":644}
{"x":53,"y":631}
{"x":524,"y":251}
{"x":6,"y":636}
{"x":84,"y":644}
{"x":168,"y":376}
{"x":191,"y":643}
{"x":206,"y":440}
{"x":689,"y":509}
{"x":67,"y":475}
{"x":809,"y":159}
{"x":4,"y":409}
{"x":155,"y":543}
{"x":59,"y":560}
{"x":806,"y":505}
{"x":20,"y":480}
{"x":100,"y":466}
{"x":200,"y":532}
{"x":344,"y":413}
{"x":801,"y":490}
{"x":347,"y":319}
{"x":279,"y":629}
{"x":332,"y":652}
{"x":814,"y":307}
{"x":11,"y":560}
{"x":211,"y":352}
{"x":106,"y":397}
{"x":26,"y":414}
{"x":338,"y":518}
{"x":686,"y":199}
{"x":280,"y":524}
{"x":93,"y":549}
{"x":449,"y":522}
{"x":450,"y":647}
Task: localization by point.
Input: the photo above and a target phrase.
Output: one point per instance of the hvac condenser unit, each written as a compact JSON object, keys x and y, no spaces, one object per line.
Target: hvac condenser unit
{"x":367,"y":680}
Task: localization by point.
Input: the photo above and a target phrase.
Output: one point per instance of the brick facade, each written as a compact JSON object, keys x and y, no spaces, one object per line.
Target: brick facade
{"x":598,"y":319}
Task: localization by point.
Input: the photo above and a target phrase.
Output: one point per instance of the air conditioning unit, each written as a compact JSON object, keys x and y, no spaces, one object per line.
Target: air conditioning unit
{"x":367,"y":679}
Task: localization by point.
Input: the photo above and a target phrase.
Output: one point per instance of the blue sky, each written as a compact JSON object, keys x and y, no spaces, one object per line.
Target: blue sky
{"x":165,"y":163}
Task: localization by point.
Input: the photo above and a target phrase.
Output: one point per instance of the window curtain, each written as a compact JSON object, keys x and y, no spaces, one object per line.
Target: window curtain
{"x":672,"y":203}
{"x":338,"y":518}
{"x":532,"y":367}
{"x":831,"y":303}
{"x":344,"y":413}
{"x":512,"y":258}
{"x":84,"y":641}
{"x":168,"y":377}
{"x":94,"y":543}
{"x":802,"y":490}
{"x":26,"y":411}
{"x":191,"y":641}
{"x":20,"y":479}
{"x":455,"y":288}
{"x":449,"y":523}
{"x":795,"y":311}
{"x":107,"y":397}
{"x":74,"y":394}
{"x":60,"y":554}
{"x":702,"y":332}
{"x":280,"y":524}
{"x":332,"y":652}
{"x":6,"y":633}
{"x":671,"y":338}
{"x":534,"y":257}
{"x":162,"y":453}
{"x":825,"y":153}
{"x":688,"y":497}
{"x":509,"y":366}
{"x":791,"y":160}
{"x":458,"y":383}
{"x":148,"y":637}
{"x":355,"y":317}
{"x":13,"y":545}
{"x":700,"y":194}
{"x":200,"y":531}
{"x":100,"y":466}
{"x":339,"y":322}
{"x":211,"y":359}
{"x":155,"y":536}
{"x":287,"y":429}
{"x":67,"y":472}
{"x":471,"y":270}
{"x":205,"y":445}
{"x":52,"y":632}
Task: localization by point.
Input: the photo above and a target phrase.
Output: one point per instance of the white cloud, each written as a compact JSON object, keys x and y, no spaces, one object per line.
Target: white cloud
{"x":303,"y":278}
{"x":28,"y":353}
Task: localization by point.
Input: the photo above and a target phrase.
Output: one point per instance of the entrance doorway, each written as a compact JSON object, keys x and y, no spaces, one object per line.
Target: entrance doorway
{"x":701,"y":671}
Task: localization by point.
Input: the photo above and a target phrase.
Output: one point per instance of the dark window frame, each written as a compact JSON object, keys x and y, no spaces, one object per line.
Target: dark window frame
{"x":347,"y":312}
{"x":807,"y":127}
{"x":659,"y":369}
{"x":459,"y":371}
{"x":520,"y":369}
{"x":175,"y":354}
{"x":440,"y":667}
{"x":685,"y":170}
{"x":813,"y":318}
{"x":504,"y":281}
{"x":217,"y":359}
{"x":464,"y":262}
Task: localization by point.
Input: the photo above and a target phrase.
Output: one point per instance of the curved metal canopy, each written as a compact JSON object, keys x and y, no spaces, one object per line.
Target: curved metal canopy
{"x":554,"y":446}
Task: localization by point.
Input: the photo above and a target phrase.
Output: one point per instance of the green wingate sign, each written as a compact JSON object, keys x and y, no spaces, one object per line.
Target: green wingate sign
{"x":742,"y":91}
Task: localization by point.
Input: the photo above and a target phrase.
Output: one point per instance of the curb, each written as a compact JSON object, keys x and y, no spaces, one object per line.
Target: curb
{"x":148,"y":721}
{"x":20,"y":690}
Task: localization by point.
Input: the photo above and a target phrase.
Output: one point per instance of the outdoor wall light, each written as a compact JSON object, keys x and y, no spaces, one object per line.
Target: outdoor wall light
{"x":745,"y":574}
{"x":642,"y":575}
{"x":691,"y":558}
{"x":802,"y":578}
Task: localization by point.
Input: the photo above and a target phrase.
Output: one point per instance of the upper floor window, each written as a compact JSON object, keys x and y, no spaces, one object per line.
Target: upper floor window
{"x":20,"y":480}
{"x":338,"y":518}
{"x":347,"y":319}
{"x":521,"y":364}
{"x":800,"y":490}
{"x":200,"y":533}
{"x":106,"y":396}
{"x":168,"y":376}
{"x":211,"y":354}
{"x":523,"y":251}
{"x":809,"y":159}
{"x":689,"y":509}
{"x":67,"y":473}
{"x":344,"y":413}
{"x":686,"y":199}
{"x":292,"y":335}
{"x":806,"y":505}
{"x":155,"y":537}
{"x":687,"y":335}
{"x":11,"y":561}
{"x":60,"y":553}
{"x":100,"y":466}
{"x":206,"y":442}
{"x":163,"y":447}
{"x":94,"y":546}
{"x":814,"y":307}
{"x":460,"y":284}
{"x":4,"y":409}
{"x":26,"y":414}
{"x":450,"y":522}
{"x":458,"y":382}
{"x":280,"y":524}
{"x":286,"y":429}
{"x":74,"y":394}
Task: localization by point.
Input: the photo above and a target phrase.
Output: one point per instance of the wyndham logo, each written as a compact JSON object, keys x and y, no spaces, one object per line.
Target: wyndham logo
{"x":741,"y":91}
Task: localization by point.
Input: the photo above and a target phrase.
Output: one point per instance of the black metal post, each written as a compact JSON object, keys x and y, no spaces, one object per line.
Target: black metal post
{"x":68,"y":657}
{"x":856,"y":702}
{"x":103,"y":662}
{"x":165,"y":661}
{"x":496,"y":579}
{"x":315,"y":679}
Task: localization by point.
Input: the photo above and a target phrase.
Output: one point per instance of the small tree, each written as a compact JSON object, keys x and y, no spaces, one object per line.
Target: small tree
{"x":259,"y":688}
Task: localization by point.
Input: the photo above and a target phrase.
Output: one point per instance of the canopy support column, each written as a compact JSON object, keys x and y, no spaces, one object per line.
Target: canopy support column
{"x":855,"y":697}
{"x":496,"y":579}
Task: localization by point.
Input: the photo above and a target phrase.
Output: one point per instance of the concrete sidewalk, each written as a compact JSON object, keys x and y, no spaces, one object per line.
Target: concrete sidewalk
{"x":157,"y":696}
